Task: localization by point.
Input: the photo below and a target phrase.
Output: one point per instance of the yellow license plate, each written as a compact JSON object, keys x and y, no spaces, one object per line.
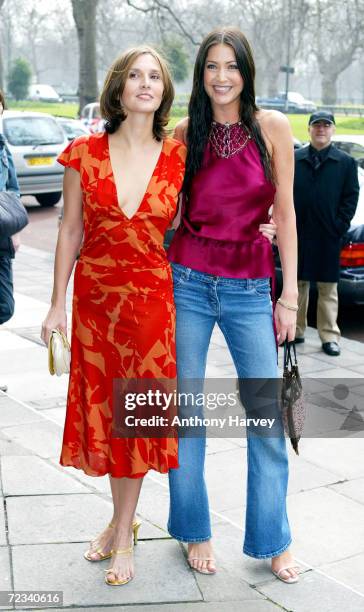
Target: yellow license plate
{"x":39,"y":161}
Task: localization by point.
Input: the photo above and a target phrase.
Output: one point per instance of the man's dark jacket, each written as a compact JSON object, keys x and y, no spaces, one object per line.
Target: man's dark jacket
{"x":325,"y":202}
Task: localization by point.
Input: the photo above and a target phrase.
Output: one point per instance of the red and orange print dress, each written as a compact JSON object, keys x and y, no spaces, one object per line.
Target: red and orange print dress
{"x":123,"y":322}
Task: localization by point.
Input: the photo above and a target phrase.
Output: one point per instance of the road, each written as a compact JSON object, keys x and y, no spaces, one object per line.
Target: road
{"x":41,"y":233}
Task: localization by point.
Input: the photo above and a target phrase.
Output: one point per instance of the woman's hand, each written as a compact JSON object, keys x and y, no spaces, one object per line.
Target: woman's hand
{"x":268,"y":230}
{"x":55,"y":319}
{"x":180,"y":131}
{"x":285,"y":320}
{"x":16,"y":241}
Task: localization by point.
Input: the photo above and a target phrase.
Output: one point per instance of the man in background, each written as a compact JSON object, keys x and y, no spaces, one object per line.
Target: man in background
{"x":326,"y":191}
{"x":8,"y":245}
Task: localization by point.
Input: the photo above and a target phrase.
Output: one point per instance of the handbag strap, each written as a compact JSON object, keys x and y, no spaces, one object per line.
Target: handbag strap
{"x":290,"y":355}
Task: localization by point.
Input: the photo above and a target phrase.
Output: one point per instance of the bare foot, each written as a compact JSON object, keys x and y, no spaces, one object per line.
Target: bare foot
{"x":122,"y":564}
{"x":102,"y":545}
{"x":285,"y":560}
{"x":201,"y":557}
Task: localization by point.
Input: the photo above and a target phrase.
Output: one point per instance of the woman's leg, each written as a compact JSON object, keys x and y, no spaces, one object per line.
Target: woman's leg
{"x":103,"y":543}
{"x":125,"y":493}
{"x":189,"y":517}
{"x":246,"y":321}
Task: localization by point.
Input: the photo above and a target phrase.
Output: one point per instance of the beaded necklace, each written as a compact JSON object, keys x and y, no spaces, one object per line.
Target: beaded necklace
{"x":228,"y":139}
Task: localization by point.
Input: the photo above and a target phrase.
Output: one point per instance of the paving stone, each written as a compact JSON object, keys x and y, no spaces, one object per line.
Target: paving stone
{"x":358,"y":368}
{"x":65,"y":518}
{"x":94,"y":484}
{"x":56,"y":415}
{"x":13,"y":413}
{"x":34,"y":476}
{"x":348,"y":571}
{"x":56,"y":518}
{"x":304,"y":475}
{"x":161,"y":575}
{"x":226,"y":586}
{"x":226,"y":606}
{"x":353,"y":489}
{"x":346,"y":359}
{"x":217,"y":445}
{"x":228,"y":548}
{"x":8,"y":447}
{"x":36,"y":383}
{"x":42,"y":437}
{"x":5,"y":576}
{"x":153,"y":505}
{"x":48,"y":403}
{"x":337,"y":372}
{"x":216,"y":371}
{"x":313,"y":592}
{"x":226,"y":489}
{"x":326,"y":526}
{"x":3,"y":541}
{"x":344,"y":457}
{"x":12,"y":342}
{"x":312,"y":364}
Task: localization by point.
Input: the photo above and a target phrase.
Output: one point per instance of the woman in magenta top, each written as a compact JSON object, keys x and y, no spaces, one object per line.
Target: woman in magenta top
{"x":239,"y":163}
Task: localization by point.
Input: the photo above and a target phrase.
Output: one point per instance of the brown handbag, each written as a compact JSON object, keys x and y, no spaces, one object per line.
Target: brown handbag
{"x":293,"y":407}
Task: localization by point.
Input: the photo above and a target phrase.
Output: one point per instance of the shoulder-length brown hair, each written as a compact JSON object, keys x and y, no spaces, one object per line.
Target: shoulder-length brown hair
{"x":110,"y":105}
{"x":2,"y":99}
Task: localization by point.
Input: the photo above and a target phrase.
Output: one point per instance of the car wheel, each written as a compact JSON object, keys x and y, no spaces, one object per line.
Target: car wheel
{"x":49,"y":199}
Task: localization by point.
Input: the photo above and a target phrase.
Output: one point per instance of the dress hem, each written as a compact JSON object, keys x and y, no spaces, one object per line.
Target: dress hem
{"x":134,"y":476}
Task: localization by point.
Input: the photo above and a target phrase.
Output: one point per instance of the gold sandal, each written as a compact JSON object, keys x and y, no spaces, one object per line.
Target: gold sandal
{"x":122,"y":551}
{"x":99,"y":551}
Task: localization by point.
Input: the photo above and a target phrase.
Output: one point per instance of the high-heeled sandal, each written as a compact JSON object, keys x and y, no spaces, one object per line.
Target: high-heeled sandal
{"x":190,"y":559}
{"x":135,"y":527}
{"x":122,"y":551}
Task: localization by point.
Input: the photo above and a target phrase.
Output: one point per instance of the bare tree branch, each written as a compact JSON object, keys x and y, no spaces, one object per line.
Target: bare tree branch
{"x":156,"y":7}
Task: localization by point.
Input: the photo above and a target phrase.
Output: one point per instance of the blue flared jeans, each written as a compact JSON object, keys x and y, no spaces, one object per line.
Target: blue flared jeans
{"x":242,"y":309}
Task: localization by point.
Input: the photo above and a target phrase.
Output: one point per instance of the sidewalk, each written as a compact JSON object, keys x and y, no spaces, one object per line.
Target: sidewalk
{"x":50,"y":513}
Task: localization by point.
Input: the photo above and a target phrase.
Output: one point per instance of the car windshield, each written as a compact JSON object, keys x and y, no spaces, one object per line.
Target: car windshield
{"x":21,"y":131}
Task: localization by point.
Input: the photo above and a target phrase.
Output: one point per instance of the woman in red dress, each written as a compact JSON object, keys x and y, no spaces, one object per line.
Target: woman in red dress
{"x":120,"y":195}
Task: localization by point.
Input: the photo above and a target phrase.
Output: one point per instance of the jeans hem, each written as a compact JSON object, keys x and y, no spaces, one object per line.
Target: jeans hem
{"x":275,"y":553}
{"x":188,"y":540}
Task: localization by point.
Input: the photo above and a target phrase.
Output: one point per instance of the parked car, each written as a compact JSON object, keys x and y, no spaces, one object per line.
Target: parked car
{"x":35,"y":140}
{"x":351,"y":144}
{"x":296,"y":103}
{"x":91,"y":117}
{"x":72,"y":127}
{"x":45,"y":93}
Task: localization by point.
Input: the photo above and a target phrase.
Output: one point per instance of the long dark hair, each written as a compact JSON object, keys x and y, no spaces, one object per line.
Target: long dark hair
{"x":110,"y":105}
{"x":199,"y":108}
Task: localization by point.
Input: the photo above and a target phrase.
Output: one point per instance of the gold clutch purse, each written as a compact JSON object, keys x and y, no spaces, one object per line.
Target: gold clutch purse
{"x":59,"y":353}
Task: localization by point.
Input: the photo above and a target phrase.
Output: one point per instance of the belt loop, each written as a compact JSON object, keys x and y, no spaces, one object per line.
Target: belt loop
{"x":249,"y":284}
{"x":187,"y":273}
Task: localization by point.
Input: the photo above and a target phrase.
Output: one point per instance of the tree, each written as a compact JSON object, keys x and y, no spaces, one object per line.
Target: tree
{"x":84,"y":14}
{"x":271,"y":23}
{"x":177,"y":58}
{"x":337,"y":36}
{"x":19,"y":79}
{"x":1,"y":57}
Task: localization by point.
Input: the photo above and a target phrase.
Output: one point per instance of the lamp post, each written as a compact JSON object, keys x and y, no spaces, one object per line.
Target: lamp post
{"x":287,"y":68}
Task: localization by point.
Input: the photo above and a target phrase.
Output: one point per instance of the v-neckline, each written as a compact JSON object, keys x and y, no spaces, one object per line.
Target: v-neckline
{"x":115,"y":186}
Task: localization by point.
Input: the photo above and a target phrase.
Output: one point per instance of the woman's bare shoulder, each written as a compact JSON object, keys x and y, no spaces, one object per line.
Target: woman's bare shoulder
{"x":272,"y":121}
{"x":274,"y":126}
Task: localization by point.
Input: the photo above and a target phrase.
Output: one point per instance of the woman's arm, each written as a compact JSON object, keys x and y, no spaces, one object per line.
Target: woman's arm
{"x":68,"y":245}
{"x":277,"y":128}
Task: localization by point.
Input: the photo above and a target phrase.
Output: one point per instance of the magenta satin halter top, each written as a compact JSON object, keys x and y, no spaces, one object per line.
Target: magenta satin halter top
{"x":219,"y":231}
